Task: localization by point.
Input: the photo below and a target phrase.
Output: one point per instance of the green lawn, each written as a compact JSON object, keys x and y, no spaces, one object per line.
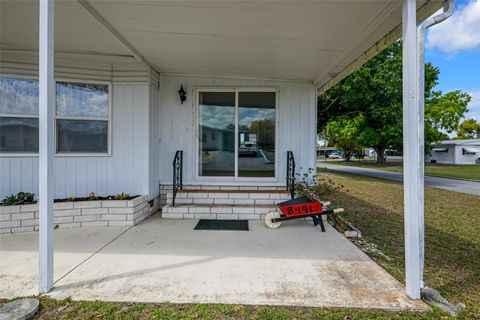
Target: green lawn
{"x":452,"y":222}
{"x":67,"y":309}
{"x":470,"y":172}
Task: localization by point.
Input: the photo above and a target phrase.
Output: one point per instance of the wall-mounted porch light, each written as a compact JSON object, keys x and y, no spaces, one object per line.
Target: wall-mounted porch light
{"x":182,"y":94}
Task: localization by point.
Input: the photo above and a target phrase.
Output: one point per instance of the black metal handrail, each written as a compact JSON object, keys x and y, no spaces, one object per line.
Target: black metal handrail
{"x":177,"y":174}
{"x":291,"y":173}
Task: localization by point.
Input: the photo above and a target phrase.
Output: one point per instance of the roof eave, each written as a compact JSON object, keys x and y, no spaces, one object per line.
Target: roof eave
{"x":423,"y":12}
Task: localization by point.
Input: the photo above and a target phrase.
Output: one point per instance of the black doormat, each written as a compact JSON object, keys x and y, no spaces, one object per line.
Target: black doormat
{"x":232,"y":225}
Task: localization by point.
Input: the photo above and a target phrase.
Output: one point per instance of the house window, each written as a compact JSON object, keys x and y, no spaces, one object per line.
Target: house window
{"x":82,"y":118}
{"x":18,"y":116}
{"x":468,"y":151}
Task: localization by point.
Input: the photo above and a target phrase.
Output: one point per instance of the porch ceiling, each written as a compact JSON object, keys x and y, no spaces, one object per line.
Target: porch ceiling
{"x":286,"y":40}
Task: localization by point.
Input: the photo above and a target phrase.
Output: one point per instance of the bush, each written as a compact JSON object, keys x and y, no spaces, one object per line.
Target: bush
{"x":92,"y":196}
{"x":19,"y":198}
{"x":121,"y":196}
{"x":314,"y":187}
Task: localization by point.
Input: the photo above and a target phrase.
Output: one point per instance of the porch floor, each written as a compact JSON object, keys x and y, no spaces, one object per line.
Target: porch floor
{"x":167,"y":261}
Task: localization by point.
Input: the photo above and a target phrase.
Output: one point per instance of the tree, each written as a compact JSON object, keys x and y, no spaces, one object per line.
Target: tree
{"x":443,"y":113}
{"x":469,"y":129}
{"x":375,"y":92}
{"x":343,"y":134}
{"x":265,"y":131}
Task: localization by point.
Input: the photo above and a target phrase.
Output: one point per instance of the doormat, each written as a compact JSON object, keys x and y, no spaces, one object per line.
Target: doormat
{"x":231,"y":225}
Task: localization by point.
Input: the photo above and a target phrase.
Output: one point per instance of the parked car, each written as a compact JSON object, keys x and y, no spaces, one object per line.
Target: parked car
{"x":335,"y":155}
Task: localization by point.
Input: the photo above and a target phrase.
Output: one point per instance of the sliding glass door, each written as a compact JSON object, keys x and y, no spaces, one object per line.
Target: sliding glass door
{"x":236,"y":134}
{"x":216,"y":134}
{"x":256,"y":134}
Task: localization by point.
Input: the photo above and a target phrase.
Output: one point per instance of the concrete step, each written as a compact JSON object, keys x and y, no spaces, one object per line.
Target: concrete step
{"x":225,"y":187}
{"x":204,"y":211}
{"x":228,"y":197}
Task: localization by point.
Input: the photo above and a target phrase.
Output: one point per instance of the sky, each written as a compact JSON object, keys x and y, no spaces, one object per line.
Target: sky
{"x":454,"y":47}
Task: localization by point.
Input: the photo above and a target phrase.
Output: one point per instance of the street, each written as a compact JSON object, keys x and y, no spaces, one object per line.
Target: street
{"x":463,"y":186}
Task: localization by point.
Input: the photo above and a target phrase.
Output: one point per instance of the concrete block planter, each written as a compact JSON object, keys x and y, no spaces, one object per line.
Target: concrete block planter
{"x":76,"y":214}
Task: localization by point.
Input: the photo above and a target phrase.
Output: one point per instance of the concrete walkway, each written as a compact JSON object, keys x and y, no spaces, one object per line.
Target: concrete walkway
{"x":456,"y":185}
{"x":167,"y":261}
{"x":19,"y":256}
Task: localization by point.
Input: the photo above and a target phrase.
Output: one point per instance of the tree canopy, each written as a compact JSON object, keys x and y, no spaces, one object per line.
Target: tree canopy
{"x":343,"y":133}
{"x":369,"y":103}
{"x":469,"y":129}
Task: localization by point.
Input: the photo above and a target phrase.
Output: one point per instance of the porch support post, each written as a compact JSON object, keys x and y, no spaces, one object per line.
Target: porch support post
{"x":412,"y":155}
{"x":45,"y":163}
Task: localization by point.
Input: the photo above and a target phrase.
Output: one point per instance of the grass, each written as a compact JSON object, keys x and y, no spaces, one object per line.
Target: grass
{"x":67,"y":309}
{"x":469,"y":172}
{"x":452,"y":228}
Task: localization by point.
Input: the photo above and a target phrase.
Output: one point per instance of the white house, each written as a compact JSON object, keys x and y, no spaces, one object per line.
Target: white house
{"x":91,"y":100}
{"x":456,"y":152}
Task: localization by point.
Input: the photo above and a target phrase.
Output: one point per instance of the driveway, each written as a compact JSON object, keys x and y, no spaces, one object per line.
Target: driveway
{"x":167,"y":261}
{"x":463,"y":186}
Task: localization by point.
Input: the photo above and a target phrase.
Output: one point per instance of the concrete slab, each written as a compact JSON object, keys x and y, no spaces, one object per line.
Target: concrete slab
{"x":20,"y":309}
{"x":166,"y":261}
{"x":19,"y":256}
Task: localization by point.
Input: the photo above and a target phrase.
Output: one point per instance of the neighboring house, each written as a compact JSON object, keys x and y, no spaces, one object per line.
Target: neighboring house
{"x":456,"y":152}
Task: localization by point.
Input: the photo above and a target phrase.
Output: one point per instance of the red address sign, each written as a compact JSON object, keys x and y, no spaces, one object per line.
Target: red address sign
{"x":302,"y":209}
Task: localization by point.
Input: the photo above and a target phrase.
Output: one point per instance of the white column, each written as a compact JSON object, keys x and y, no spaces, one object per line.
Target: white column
{"x":45,"y":163}
{"x":413,"y":186}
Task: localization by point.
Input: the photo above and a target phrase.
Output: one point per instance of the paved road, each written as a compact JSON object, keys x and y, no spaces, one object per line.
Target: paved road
{"x":463,"y":186}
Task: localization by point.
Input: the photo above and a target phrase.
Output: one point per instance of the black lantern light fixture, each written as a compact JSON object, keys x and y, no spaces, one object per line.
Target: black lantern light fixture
{"x":182,"y":94}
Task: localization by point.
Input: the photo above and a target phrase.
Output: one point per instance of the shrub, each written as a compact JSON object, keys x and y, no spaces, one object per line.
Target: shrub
{"x":121,"y":196}
{"x":92,"y":196}
{"x":19,"y":198}
{"x":315,"y":187}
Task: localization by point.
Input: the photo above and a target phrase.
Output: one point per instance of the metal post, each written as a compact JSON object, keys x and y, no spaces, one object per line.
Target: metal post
{"x":413,"y":191}
{"x":45,"y":163}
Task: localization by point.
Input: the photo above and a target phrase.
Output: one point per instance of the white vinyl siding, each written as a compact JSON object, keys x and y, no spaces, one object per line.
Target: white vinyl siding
{"x":128,"y":168}
{"x":296,"y":113}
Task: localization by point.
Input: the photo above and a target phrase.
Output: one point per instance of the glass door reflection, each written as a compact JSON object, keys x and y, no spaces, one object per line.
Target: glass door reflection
{"x":256,"y":134}
{"x":216,"y":134}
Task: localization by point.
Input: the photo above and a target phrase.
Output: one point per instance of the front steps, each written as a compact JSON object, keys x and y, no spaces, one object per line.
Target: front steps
{"x":223,"y":204}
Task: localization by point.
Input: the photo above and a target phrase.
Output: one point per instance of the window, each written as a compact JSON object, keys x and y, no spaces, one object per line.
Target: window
{"x":18,"y":116}
{"x":82,"y":117}
{"x":470,"y":150}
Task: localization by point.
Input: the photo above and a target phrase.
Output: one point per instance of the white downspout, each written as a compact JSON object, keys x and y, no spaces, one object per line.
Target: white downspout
{"x":448,"y":10}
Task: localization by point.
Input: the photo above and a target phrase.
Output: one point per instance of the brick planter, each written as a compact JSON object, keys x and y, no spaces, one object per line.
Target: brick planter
{"x":76,"y":214}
